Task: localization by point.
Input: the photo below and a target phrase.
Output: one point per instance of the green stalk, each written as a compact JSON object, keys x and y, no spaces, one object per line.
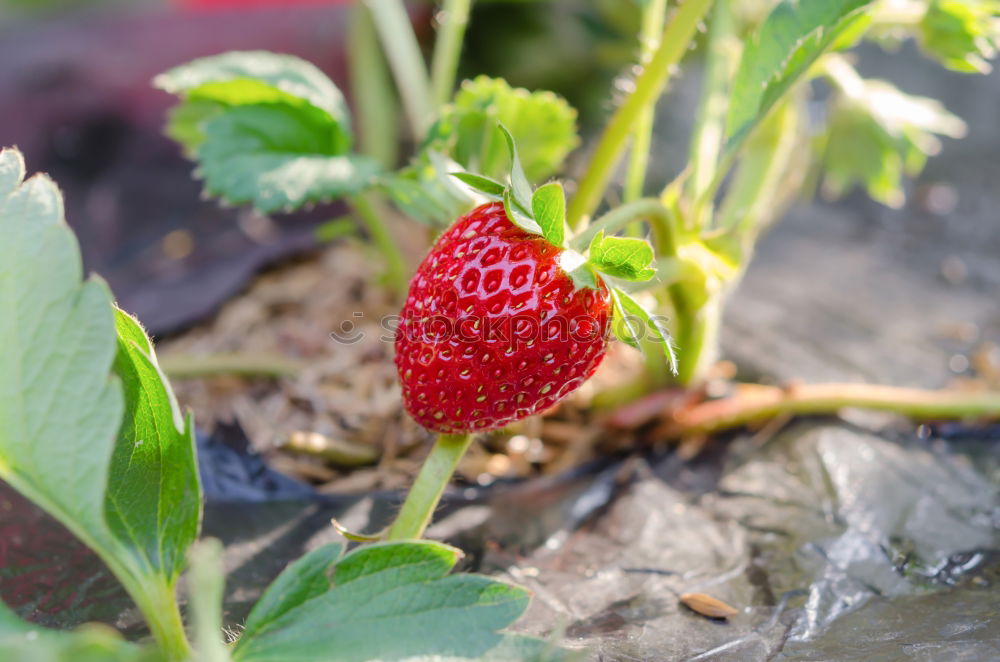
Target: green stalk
{"x":648,"y":86}
{"x":695,"y":322}
{"x":696,"y":332}
{"x":154,"y":595}
{"x":406,"y":61}
{"x":158,"y":604}
{"x":242,"y":364}
{"x":447,"y":49}
{"x":665,"y":238}
{"x":650,"y":209}
{"x":395,"y":263}
{"x":697,"y":313}
{"x":767,"y":178}
{"x":423,"y":497}
{"x":653,"y":17}
{"x":721,"y":58}
{"x":371,"y":88}
{"x":760,"y":403}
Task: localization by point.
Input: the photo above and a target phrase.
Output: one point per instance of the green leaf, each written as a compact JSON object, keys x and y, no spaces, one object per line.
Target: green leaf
{"x":60,"y":408}
{"x":277,"y":158}
{"x":185,"y":120}
{"x":628,"y":258}
{"x":542,"y":123}
{"x":267,"y":129}
{"x":638,"y":328}
{"x":253,"y":77}
{"x":962,"y":34}
{"x":779,"y":52}
{"x":153,"y":500}
{"x":485,"y":185}
{"x":304,"y":579}
{"x":427,"y":191}
{"x":23,"y":642}
{"x":877,"y":135}
{"x":517,"y":215}
{"x":548,"y":204}
{"x":385,"y":601}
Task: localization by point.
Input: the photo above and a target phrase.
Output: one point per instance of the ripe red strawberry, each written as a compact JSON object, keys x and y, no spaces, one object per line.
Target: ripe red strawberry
{"x":494,"y":329}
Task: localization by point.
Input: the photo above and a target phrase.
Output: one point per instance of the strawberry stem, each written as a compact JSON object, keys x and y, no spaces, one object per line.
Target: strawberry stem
{"x":406,"y":62}
{"x":752,"y":403}
{"x":654,"y":15}
{"x":697,"y":319}
{"x":678,"y":35}
{"x":650,"y":209}
{"x":372,"y":91}
{"x":423,"y":497}
{"x":454,"y":16}
{"x":722,"y":54}
{"x":396,"y":268}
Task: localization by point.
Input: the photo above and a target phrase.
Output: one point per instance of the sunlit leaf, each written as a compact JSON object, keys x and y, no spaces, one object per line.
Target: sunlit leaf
{"x":779,"y":52}
{"x":277,"y":158}
{"x":63,"y":419}
{"x":267,"y":129}
{"x":153,"y":499}
{"x":543,"y":126}
{"x":60,"y":407}
{"x":963,"y":34}
{"x":519,"y":186}
{"x":240,"y":78}
{"x":877,"y":135}
{"x":517,"y":215}
{"x":482,"y":184}
{"x":386,"y":601}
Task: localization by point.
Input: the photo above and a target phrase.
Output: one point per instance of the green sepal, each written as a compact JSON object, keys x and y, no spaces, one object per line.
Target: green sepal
{"x":627,"y":258}
{"x":578,"y":269}
{"x":517,"y":214}
{"x":542,"y":212}
{"x":490,"y":188}
{"x":638,"y":328}
{"x":426,"y":192}
{"x":548,"y":204}
{"x":519,"y":185}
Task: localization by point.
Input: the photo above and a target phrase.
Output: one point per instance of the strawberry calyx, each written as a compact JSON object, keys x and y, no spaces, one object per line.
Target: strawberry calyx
{"x":609,"y":259}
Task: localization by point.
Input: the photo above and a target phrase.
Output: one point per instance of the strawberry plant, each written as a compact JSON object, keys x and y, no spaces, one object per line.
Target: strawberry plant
{"x":755,"y":148}
{"x":509,"y":312}
{"x":90,"y":431}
